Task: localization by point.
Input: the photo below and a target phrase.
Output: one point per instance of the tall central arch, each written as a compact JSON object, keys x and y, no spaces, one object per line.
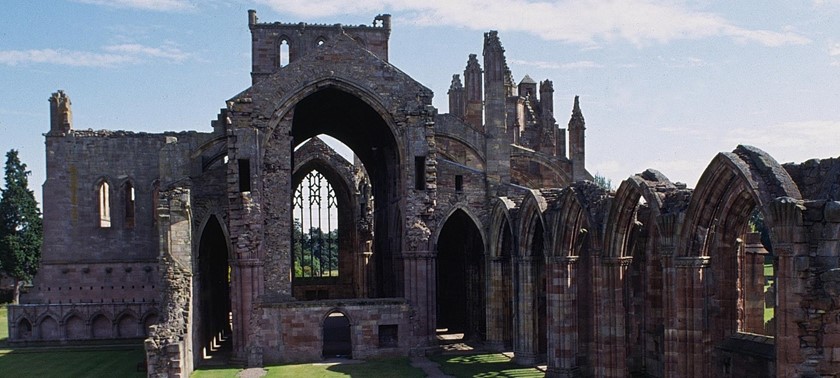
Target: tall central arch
{"x":348,"y":118}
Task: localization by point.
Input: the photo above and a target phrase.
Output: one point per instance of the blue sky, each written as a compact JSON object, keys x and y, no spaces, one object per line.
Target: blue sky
{"x":663,"y":84}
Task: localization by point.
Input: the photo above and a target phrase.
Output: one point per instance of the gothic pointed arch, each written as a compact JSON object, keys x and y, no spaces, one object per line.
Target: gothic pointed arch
{"x":530,"y":295}
{"x":631,"y":239}
{"x":323,"y":171}
{"x":213,"y":286}
{"x":501,"y":243}
{"x":577,"y":219}
{"x":712,"y":265}
{"x":460,"y":284}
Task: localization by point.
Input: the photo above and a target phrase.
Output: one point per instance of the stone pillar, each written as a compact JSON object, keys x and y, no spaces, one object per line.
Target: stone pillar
{"x":562,"y":327}
{"x":169,"y":346}
{"x":792,"y":261}
{"x":752,"y":278}
{"x":525,"y":338}
{"x":421,"y":294}
{"x":495,"y":307}
{"x":610,"y":358}
{"x":245,"y":285}
{"x":692,"y":338}
{"x":669,"y":226}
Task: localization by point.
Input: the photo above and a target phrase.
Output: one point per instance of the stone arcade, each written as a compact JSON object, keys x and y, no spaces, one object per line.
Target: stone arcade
{"x":478,"y":221}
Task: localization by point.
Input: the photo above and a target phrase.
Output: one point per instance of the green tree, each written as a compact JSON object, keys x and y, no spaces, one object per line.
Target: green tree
{"x":603,"y":182}
{"x":21,"y":228}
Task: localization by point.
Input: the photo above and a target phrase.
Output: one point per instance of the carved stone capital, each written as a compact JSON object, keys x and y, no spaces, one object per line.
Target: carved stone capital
{"x":692,"y":261}
{"x":418,"y":255}
{"x":623,"y":261}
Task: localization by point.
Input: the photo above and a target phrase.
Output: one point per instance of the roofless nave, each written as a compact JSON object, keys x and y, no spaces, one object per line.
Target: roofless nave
{"x":479,"y":221}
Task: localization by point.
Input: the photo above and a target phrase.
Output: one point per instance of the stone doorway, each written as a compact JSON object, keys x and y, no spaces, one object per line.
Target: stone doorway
{"x":337,"y":340}
{"x":460,"y":281}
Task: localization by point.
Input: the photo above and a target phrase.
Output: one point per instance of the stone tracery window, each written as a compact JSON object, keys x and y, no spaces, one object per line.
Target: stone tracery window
{"x":315,"y":228}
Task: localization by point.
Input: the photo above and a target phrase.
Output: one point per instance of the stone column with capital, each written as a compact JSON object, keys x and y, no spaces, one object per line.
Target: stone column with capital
{"x":525,"y":338}
{"x":611,"y":355}
{"x":420,"y":291}
{"x":496,"y":308}
{"x":562,"y":326}
{"x":692,"y":339}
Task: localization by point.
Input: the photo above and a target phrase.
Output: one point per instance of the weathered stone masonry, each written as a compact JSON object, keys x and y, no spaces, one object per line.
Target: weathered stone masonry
{"x":480,"y":221}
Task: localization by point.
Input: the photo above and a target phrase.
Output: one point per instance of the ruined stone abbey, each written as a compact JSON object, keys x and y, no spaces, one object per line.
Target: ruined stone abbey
{"x":482,"y":222}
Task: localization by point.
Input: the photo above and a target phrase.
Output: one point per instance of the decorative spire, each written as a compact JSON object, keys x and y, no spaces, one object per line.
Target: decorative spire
{"x":456,"y":83}
{"x":577,"y":115}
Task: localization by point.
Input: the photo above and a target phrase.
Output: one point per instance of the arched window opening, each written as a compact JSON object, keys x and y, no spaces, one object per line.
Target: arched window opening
{"x":284,"y":53}
{"x":315,"y":228}
{"x":24,"y":329}
{"x":320,"y":41}
{"x":104,"y":206}
{"x":756,"y":279}
{"x":128,"y":196}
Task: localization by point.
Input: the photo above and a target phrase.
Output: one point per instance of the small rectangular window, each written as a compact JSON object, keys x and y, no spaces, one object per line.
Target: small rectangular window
{"x":459,"y":183}
{"x":244,"y":175}
{"x":419,"y":172}
{"x":388,"y":336}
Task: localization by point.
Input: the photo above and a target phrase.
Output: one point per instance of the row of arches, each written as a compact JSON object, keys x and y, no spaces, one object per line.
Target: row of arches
{"x":75,"y":326}
{"x":650,"y":279}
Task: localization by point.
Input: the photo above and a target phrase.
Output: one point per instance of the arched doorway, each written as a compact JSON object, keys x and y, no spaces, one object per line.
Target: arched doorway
{"x":354,"y":122}
{"x":213,"y":289}
{"x":336,"y":332}
{"x":460,"y":279}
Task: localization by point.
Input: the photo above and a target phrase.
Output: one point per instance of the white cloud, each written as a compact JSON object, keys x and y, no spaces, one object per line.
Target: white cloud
{"x":114,"y":55}
{"x":585,"y":22}
{"x":153,"y":5}
{"x":167,"y":51}
{"x":820,"y":3}
{"x":62,"y":57}
{"x":791,"y":141}
{"x":554,"y":65}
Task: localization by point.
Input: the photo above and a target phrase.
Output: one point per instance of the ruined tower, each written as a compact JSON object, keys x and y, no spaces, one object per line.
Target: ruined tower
{"x":275,"y":45}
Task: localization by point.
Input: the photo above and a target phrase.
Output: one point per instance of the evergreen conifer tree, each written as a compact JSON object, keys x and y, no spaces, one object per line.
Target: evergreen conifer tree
{"x":21,"y":228}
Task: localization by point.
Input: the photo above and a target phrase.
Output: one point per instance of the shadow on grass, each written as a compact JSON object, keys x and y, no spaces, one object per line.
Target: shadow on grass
{"x":483,"y":366}
{"x":387,"y":368}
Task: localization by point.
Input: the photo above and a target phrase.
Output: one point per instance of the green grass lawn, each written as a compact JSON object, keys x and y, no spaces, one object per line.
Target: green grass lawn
{"x":483,"y":365}
{"x":72,"y":362}
{"x":4,"y":326}
{"x":769,"y":312}
{"x":392,"y":367}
